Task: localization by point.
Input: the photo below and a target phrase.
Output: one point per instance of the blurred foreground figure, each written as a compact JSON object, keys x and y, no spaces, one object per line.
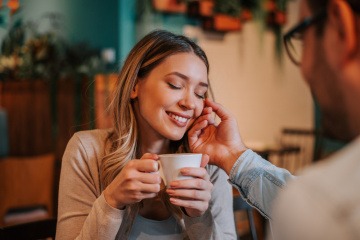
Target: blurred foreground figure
{"x":324,"y":203}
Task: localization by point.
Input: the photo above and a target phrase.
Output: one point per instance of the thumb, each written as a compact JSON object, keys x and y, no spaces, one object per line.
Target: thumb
{"x":204,"y":160}
{"x":150,"y":156}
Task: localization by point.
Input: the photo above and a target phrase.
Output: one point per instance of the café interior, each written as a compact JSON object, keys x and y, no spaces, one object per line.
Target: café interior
{"x":59,"y":61}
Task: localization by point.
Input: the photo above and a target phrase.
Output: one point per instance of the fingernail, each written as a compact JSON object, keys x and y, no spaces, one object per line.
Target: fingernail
{"x":174,"y":184}
{"x":156,"y":166}
{"x":170,"y":191}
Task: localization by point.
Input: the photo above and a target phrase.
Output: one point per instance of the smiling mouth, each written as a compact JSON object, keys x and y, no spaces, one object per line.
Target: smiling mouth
{"x":178,"y":118}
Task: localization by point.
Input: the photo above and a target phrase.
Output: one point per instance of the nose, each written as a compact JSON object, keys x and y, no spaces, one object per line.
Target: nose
{"x":187,"y":102}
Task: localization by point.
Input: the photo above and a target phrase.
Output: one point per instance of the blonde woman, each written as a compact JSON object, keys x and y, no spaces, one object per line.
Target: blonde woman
{"x":110,"y":187}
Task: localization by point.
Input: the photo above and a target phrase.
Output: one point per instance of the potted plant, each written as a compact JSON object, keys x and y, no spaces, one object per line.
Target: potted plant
{"x":35,"y":68}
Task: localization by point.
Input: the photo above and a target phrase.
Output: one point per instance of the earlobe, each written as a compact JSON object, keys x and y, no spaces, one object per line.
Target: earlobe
{"x":341,"y":12}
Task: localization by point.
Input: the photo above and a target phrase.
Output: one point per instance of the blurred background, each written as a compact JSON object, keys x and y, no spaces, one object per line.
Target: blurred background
{"x":59,"y":59}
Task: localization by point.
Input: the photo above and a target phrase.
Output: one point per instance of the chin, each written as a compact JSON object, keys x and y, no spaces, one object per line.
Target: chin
{"x":174,"y":136}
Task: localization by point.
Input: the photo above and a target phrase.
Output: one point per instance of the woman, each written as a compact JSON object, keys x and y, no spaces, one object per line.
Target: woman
{"x":110,"y":187}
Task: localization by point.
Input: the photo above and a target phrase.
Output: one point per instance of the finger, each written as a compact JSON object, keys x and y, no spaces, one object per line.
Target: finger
{"x":150,"y":156}
{"x":204,"y":160}
{"x":190,"y":194}
{"x":209,"y":117}
{"x":149,"y":188}
{"x":195,"y":131}
{"x":218,"y":109}
{"x":146,"y":165}
{"x":206,"y":110}
{"x":194,"y":183}
{"x":150,"y":178}
{"x":192,"y":204}
{"x":148,"y":195}
{"x":195,"y":172}
{"x":196,"y":128}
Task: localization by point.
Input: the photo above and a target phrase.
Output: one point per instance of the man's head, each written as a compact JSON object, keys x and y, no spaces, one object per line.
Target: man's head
{"x":330,"y":62}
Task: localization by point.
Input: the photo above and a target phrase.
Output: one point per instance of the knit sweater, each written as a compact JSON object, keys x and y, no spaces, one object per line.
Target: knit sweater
{"x":83,"y":212}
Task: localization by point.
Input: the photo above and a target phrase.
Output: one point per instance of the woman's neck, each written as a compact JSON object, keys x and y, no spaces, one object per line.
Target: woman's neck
{"x":157,"y":146}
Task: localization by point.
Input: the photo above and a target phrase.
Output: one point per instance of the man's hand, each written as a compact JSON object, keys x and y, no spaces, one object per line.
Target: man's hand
{"x":222,"y":142}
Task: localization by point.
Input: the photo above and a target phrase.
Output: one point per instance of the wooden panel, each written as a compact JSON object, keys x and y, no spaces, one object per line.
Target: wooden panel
{"x":28,"y":108}
{"x":104,"y":85}
{"x":26,"y":181}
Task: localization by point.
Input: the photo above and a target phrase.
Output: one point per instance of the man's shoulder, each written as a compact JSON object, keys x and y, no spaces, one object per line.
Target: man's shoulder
{"x":324,"y":197}
{"x":339,"y":168}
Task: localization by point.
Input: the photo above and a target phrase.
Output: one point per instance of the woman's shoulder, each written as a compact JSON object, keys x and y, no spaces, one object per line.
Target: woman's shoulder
{"x":91,"y":136}
{"x":91,"y":142}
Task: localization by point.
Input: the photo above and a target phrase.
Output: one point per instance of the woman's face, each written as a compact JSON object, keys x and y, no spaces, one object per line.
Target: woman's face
{"x":171,"y":96}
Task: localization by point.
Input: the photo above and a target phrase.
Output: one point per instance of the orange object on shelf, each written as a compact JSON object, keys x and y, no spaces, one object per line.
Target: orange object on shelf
{"x":206,"y":8}
{"x":171,"y":6}
{"x":224,"y":23}
{"x":13,"y":5}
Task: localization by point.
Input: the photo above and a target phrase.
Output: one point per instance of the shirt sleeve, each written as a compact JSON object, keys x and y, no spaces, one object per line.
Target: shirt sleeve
{"x":218,"y":221}
{"x":83,"y":212}
{"x":258,"y":181}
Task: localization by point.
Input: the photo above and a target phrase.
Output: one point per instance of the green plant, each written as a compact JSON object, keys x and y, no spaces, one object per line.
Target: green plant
{"x":28,"y":54}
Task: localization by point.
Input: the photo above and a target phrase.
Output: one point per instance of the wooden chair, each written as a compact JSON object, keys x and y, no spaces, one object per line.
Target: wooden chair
{"x":26,"y":182}
{"x":294,"y":138}
{"x":240,"y":205}
{"x":43,"y":229}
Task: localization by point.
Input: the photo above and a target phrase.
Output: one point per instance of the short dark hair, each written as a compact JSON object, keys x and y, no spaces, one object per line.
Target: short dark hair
{"x":319,"y":6}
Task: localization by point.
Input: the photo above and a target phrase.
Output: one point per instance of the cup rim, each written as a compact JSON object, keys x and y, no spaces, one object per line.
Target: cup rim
{"x":178,"y":154}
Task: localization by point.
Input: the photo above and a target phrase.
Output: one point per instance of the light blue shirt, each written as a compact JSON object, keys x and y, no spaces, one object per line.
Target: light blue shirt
{"x":258,"y":181}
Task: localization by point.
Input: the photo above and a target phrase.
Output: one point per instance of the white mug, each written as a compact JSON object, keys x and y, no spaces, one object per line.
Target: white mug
{"x":170,"y":165}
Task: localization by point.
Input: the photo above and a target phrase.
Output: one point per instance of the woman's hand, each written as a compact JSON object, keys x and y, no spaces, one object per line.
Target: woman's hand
{"x":192,"y":194}
{"x":139,"y":179}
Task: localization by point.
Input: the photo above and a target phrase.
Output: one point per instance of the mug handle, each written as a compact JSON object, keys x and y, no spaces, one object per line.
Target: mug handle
{"x":162,"y":173}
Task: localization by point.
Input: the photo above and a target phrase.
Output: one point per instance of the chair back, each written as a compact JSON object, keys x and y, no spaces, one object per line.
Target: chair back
{"x":304,"y":141}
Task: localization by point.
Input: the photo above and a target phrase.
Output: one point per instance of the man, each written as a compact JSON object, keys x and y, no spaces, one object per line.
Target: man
{"x":324,"y":203}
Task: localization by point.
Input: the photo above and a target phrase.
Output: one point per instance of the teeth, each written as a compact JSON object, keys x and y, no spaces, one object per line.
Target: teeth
{"x":178,"y":118}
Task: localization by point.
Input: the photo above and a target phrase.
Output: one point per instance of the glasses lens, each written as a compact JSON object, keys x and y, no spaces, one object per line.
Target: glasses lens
{"x":294,"y":45}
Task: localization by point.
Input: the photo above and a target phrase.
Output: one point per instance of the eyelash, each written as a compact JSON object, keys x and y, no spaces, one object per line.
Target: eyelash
{"x":173,"y":86}
{"x":177,"y":88}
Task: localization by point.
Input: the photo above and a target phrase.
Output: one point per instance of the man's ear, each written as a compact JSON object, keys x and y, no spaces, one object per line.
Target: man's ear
{"x":134,"y":91}
{"x":341,"y":15}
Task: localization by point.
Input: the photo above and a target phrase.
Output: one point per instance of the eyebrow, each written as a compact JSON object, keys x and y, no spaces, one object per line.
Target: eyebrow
{"x":186,"y":78}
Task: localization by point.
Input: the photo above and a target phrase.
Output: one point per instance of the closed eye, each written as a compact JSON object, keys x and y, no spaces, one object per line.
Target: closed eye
{"x":173,"y":86}
{"x":200,"y":96}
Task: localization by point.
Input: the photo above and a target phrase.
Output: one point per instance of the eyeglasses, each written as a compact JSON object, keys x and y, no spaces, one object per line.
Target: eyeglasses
{"x":293,"y":38}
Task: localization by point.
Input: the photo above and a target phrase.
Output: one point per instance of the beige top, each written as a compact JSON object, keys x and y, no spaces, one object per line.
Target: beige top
{"x":83,"y":212}
{"x":324,"y":203}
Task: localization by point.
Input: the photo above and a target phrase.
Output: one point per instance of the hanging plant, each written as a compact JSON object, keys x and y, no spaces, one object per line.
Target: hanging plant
{"x":230,"y":15}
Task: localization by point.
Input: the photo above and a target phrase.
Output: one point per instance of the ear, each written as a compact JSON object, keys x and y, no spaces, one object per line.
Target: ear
{"x":342,"y":17}
{"x":134,"y":92}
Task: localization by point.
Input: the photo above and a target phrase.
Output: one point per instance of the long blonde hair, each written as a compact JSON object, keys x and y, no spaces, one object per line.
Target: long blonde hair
{"x":142,"y":59}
